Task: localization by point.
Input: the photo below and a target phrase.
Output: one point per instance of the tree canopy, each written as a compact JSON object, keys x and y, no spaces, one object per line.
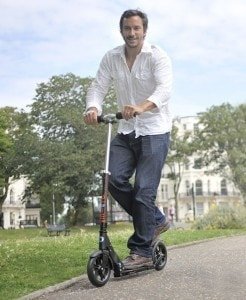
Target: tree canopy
{"x":222,"y":141}
{"x":53,"y":146}
{"x":68,"y":153}
{"x":12,"y":126}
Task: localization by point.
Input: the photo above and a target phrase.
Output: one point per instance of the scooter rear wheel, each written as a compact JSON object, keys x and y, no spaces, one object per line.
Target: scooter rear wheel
{"x":159,"y":255}
{"x":99,"y":269}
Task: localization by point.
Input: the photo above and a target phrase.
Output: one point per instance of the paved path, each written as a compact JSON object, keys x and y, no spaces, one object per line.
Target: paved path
{"x":215,"y":269}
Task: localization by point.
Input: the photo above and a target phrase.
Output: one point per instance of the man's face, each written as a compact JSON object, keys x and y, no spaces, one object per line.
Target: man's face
{"x":133,"y":32}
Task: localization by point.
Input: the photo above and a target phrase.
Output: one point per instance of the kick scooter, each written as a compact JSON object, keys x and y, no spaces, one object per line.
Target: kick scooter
{"x":104,"y":260}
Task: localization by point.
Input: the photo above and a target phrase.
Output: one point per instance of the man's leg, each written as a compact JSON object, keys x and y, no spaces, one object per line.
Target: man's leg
{"x":151,"y":157}
{"x":122,"y":164}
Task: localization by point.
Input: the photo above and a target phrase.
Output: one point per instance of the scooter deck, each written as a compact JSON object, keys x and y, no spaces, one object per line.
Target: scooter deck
{"x":129,"y":271}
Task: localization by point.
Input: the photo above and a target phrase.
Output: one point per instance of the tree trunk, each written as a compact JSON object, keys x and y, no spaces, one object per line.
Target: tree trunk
{"x":176,"y":208}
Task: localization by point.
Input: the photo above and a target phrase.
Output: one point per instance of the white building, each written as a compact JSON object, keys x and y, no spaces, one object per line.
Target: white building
{"x":209,"y":190}
{"x":16,"y":213}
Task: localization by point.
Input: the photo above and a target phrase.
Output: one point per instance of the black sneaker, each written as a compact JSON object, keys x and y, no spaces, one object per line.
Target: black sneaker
{"x":134,"y":261}
{"x":160,"y":229}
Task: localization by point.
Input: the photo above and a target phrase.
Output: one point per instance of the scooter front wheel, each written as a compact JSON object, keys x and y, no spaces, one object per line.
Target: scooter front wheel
{"x":99,"y":269}
{"x":159,"y":255}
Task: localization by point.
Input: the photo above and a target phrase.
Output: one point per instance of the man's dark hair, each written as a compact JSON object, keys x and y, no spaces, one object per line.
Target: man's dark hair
{"x":134,"y":12}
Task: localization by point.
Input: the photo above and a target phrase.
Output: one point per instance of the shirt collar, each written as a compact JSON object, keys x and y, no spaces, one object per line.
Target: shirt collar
{"x":146,"y":48}
{"x":121,"y":49}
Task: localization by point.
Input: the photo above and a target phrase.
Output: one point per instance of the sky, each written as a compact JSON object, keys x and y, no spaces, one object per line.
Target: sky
{"x":205,"y":39}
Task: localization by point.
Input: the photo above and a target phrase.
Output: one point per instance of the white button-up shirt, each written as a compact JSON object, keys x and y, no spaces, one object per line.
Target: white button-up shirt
{"x":149,"y":79}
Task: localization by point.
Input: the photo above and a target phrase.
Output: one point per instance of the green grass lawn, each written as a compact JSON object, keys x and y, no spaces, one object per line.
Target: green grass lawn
{"x":30,"y":260}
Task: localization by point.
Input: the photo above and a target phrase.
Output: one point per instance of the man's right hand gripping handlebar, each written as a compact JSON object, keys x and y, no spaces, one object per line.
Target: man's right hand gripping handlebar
{"x":91,"y":116}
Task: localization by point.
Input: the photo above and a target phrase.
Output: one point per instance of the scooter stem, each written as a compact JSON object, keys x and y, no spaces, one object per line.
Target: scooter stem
{"x":108,"y":148}
{"x":103,"y":242}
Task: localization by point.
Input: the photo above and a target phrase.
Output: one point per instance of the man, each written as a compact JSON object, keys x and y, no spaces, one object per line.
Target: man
{"x":142,"y":77}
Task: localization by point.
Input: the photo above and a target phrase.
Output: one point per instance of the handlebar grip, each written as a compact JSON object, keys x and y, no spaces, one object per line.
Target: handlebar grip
{"x":119,"y":115}
{"x":100,"y":119}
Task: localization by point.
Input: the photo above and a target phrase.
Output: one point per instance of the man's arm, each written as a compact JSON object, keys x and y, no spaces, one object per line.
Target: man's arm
{"x":97,"y":91}
{"x":163,"y":77}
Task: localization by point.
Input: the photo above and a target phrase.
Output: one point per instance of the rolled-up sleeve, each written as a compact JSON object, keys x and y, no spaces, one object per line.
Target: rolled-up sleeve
{"x":99,"y":86}
{"x":164,"y":79}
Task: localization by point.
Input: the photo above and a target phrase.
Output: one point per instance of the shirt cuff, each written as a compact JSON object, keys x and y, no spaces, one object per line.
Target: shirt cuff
{"x":98,"y":107}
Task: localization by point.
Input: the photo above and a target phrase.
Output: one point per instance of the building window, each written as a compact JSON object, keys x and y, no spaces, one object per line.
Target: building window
{"x":188,"y":206}
{"x":31,"y":217}
{"x":199,"y":191}
{"x":195,"y":128}
{"x":197,"y":163}
{"x":209,"y":192}
{"x":11,"y":196}
{"x":162,"y":191}
{"x":12,"y":218}
{"x":223,"y":187}
{"x":187,"y":187}
{"x":199,"y":208}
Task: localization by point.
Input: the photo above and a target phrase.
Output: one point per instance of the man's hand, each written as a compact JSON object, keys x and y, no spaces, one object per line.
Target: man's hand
{"x":130,"y":111}
{"x":90,"y":116}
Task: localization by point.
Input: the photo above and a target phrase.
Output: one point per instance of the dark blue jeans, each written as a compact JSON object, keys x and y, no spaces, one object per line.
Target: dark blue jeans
{"x":143,"y":157}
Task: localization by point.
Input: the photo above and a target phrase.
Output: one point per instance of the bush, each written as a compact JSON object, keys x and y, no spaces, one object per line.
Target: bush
{"x":222,"y":218}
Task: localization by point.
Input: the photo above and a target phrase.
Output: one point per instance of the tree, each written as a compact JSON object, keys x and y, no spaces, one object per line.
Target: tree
{"x":5,"y":140}
{"x":68,"y":153}
{"x":12,"y":124}
{"x":181,"y":148}
{"x":5,"y":145}
{"x":222,"y":141}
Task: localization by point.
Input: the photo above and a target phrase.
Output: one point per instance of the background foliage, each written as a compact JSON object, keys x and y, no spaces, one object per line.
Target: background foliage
{"x":54,"y":147}
{"x":222,"y":218}
{"x":63,"y":156}
{"x":222,"y":142}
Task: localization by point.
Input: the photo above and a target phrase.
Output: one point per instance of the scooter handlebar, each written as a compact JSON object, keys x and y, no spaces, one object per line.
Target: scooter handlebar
{"x":110,"y":118}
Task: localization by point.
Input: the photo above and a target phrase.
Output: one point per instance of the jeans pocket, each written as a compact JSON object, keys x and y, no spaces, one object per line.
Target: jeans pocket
{"x":155,"y":144}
